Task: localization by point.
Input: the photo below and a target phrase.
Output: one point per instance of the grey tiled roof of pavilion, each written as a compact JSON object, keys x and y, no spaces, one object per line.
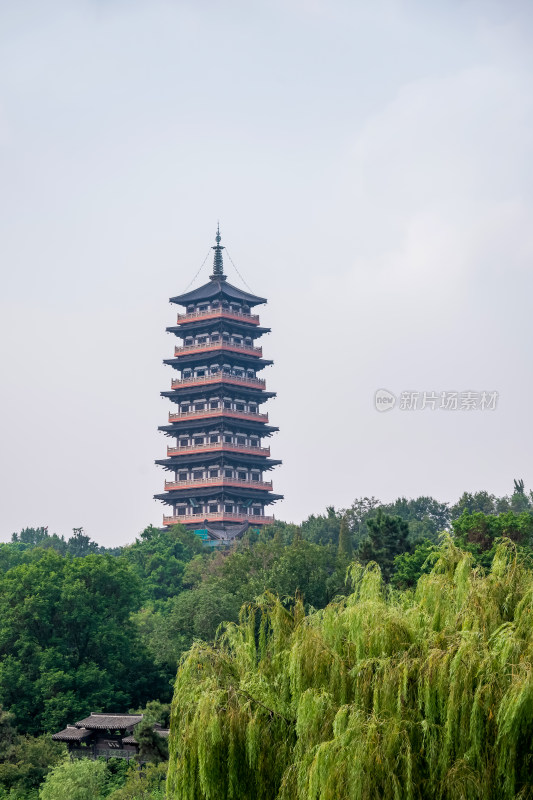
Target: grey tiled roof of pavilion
{"x":72,"y":734}
{"x":100,"y":722}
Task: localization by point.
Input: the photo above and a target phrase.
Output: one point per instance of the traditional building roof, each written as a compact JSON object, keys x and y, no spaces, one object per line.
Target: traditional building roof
{"x":120,"y":722}
{"x":72,"y":734}
{"x":217,"y":288}
{"x":218,"y":285}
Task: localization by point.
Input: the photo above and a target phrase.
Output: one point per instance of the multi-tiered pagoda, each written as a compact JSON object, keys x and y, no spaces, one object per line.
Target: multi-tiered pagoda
{"x":218,"y":460}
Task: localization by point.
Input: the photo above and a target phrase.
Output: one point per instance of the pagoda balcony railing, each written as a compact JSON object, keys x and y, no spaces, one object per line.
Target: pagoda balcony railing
{"x":236,"y":347}
{"x":218,"y":516}
{"x":217,"y":412}
{"x":216,"y":377}
{"x":221,"y":481}
{"x":218,"y":312}
{"x":203,"y":448}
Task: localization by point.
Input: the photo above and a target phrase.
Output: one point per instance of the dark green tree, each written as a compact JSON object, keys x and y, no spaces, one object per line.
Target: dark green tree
{"x":160,"y":557}
{"x":345,"y":549}
{"x":67,"y":644}
{"x":152,"y":746}
{"x":480,"y":533}
{"x":387,"y":538}
{"x":80,"y":544}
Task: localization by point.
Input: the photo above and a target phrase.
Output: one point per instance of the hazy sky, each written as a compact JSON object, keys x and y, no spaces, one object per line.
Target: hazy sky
{"x":371,"y":167}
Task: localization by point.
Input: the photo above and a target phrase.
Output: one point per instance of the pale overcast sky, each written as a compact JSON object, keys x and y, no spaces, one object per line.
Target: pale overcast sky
{"x":371,"y":167}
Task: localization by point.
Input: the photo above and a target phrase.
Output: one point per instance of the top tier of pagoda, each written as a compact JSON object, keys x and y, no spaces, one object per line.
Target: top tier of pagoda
{"x":218,"y":458}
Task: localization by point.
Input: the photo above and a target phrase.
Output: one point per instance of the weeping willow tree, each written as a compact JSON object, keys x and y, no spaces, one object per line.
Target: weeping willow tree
{"x":391,"y":695}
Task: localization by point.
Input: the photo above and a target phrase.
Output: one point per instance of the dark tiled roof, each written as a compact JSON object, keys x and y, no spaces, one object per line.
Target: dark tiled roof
{"x":216,"y":289}
{"x":72,"y":734}
{"x":98,"y":722}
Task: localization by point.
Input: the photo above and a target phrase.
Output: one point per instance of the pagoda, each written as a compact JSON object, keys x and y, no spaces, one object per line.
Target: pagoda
{"x":218,"y":459}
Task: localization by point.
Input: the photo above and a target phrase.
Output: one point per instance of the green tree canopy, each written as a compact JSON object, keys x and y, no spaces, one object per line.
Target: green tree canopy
{"x":398,"y":696}
{"x":387,"y":538}
{"x":67,"y":644}
{"x":81,"y":779}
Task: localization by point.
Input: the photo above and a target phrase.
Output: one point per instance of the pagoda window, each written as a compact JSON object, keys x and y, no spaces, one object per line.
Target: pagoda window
{"x":197,"y":475}
{"x":256,"y":476}
{"x":199,"y":406}
{"x":228,"y":473}
{"x":213,"y":404}
{"x":198,"y":440}
{"x":213,"y":473}
{"x":242,"y":476}
{"x":189,"y":341}
{"x":246,"y":309}
{"x":228,"y":508}
{"x":200,"y":373}
{"x":225,"y":337}
{"x":215,"y":337}
{"x":215,"y":303}
{"x":190,"y":309}
{"x":213,"y":438}
{"x":251,"y":373}
{"x":203,"y":307}
{"x":248,"y":341}
{"x":228,"y":438}
{"x":238,"y":372}
{"x":252,"y":408}
{"x":257,"y":511}
{"x":202,"y":339}
{"x":185,"y":408}
{"x":241,"y":440}
{"x":227,"y":403}
{"x":182,"y":510}
{"x":213,"y":509}
{"x":239,"y":406}
{"x":183,"y":442}
{"x":187,"y":373}
{"x":254,"y":442}
{"x":183,"y":476}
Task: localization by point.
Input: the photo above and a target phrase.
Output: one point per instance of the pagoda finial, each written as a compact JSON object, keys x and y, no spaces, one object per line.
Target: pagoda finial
{"x":218,"y":266}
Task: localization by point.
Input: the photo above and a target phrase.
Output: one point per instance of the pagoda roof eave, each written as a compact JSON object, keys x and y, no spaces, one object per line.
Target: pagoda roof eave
{"x":217,"y":288}
{"x":187,"y":328}
{"x":173,"y":463}
{"x":209,"y":356}
{"x":212,"y":389}
{"x":266,"y":496}
{"x":180,"y":427}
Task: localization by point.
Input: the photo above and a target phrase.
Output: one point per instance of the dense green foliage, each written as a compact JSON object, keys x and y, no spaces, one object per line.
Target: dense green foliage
{"x":81,"y":779}
{"x":84,"y":779}
{"x":67,"y":644}
{"x":414,"y":695}
{"x":84,"y":628}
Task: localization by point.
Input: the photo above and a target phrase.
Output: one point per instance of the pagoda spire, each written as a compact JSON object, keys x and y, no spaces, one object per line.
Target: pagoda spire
{"x":218,"y":266}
